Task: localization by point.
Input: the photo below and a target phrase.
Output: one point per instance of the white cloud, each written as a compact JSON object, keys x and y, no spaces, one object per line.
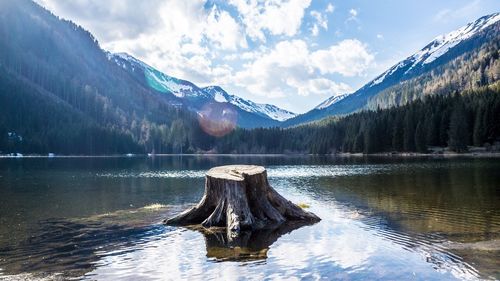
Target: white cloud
{"x":269,"y":74}
{"x":330,"y":8}
{"x":224,"y":30}
{"x":193,"y":49}
{"x":315,"y":30}
{"x":380,"y":36}
{"x":178,"y":37}
{"x":349,"y":57}
{"x":116,"y":19}
{"x":320,"y":21}
{"x":213,"y":45}
{"x":242,"y":56}
{"x":353,"y":16}
{"x":291,"y":68}
{"x":353,"y":13}
{"x":276,"y":17}
{"x":319,"y":86}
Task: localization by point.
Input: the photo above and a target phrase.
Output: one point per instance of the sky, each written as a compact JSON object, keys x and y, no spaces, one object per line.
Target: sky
{"x":291,"y":53}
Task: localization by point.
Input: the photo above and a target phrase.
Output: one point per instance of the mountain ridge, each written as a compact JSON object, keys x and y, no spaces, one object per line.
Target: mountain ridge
{"x":184,"y":89}
{"x":61,"y":93}
{"x":441,"y":50}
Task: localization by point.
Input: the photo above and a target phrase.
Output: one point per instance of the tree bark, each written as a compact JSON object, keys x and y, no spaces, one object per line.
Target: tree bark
{"x":239,"y":197}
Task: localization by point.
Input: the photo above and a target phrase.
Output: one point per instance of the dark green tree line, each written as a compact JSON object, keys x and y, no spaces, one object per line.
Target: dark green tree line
{"x":455,"y":121}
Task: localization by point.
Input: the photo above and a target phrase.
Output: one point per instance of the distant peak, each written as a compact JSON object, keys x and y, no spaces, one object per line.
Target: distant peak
{"x":442,"y":43}
{"x":214,"y":88}
{"x":269,"y":110}
{"x":439,"y":46}
{"x":185,"y":89}
{"x":331,"y":100}
{"x":126,"y":57}
{"x":218,"y":94}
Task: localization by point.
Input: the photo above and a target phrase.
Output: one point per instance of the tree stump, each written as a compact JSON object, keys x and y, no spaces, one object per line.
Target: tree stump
{"x":239,"y":197}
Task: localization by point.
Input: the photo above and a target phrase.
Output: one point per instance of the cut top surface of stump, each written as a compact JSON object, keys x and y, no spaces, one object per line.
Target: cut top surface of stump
{"x":235,"y":172}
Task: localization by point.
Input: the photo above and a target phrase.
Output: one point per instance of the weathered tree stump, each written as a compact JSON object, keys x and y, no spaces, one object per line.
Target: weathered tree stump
{"x":239,"y":197}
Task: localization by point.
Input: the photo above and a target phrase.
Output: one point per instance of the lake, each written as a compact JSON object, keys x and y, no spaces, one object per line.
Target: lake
{"x":384,"y":218}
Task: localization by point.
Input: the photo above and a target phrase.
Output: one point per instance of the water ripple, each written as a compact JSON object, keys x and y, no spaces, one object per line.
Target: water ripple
{"x":273,"y":172}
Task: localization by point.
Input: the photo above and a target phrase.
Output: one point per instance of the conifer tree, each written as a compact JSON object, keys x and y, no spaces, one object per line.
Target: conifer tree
{"x":459,"y":127}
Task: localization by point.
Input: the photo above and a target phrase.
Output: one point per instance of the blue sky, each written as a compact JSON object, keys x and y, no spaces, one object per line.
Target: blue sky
{"x":293,"y":53}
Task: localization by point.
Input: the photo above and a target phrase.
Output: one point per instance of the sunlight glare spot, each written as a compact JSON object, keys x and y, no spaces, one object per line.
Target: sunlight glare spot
{"x":217,"y":119}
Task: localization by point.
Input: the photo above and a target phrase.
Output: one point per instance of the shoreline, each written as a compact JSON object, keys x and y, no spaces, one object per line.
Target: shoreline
{"x":418,"y":154}
{"x":344,"y":154}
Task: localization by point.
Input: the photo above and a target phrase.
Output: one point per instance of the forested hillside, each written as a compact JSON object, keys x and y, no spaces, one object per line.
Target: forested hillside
{"x":466,"y":58}
{"x":60,"y":93}
{"x":456,"y":120}
{"x":469,"y":71}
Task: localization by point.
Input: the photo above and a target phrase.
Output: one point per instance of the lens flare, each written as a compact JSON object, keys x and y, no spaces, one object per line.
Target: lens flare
{"x":217,"y":119}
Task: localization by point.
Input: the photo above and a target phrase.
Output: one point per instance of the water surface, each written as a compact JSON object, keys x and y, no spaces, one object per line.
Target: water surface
{"x":382,"y":218}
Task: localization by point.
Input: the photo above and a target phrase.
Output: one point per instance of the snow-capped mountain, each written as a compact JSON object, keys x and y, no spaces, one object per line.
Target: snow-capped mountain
{"x":437,"y":53}
{"x":438,"y":47}
{"x":268,"y":110}
{"x":193,"y":95}
{"x":156,"y":79}
{"x":331,"y":100}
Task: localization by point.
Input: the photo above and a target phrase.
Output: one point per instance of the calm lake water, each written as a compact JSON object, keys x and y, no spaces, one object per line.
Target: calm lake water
{"x":382,"y":218}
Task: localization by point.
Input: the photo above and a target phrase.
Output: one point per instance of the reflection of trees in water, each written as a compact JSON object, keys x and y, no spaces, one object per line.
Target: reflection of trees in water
{"x":447,"y":210}
{"x":70,"y":247}
{"x":459,"y":202}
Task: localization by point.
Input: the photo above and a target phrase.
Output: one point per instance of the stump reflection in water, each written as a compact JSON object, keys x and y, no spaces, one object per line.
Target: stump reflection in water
{"x":248,"y":245}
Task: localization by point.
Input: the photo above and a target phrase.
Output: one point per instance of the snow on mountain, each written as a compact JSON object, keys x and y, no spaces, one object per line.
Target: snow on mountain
{"x":268,"y":110}
{"x":220,"y":98}
{"x":158,"y":80}
{"x":331,"y":100}
{"x":439,"y":46}
{"x":275,"y":112}
{"x":437,"y":53}
{"x":387,"y":73}
{"x":163,"y":82}
{"x":125,"y":57}
{"x":185,"y":89}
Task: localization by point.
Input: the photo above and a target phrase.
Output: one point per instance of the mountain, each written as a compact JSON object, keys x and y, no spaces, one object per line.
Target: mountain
{"x":251,"y":114}
{"x":455,"y":122}
{"x":60,"y":93}
{"x":444,"y":65}
{"x":266,"y":110}
{"x":331,"y":100}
